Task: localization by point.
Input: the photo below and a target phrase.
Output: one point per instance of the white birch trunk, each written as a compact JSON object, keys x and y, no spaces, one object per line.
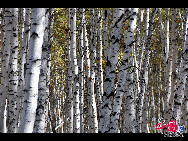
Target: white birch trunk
{"x":87,"y":68}
{"x":125,"y":78}
{"x":168,"y":63}
{"x":144,"y":72}
{"x":81,"y":69}
{"x":76,"y":117}
{"x":33,"y":71}
{"x":110,"y":70}
{"x":43,"y":90}
{"x":70,"y":95}
{"x":182,"y":75}
{"x":5,"y":62}
{"x":13,"y":75}
{"x":24,"y":44}
{"x":105,"y":33}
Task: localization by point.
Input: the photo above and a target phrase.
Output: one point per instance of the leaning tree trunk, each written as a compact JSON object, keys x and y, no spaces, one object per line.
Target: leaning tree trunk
{"x":122,"y":81}
{"x":33,"y":71}
{"x":43,"y":90}
{"x":144,"y":72}
{"x":110,"y":70}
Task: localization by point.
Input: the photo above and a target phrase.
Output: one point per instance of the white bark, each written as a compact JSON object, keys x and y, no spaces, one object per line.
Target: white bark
{"x":13,"y":75}
{"x":182,"y":75}
{"x":43,"y":90}
{"x":168,"y":69}
{"x":33,"y":71}
{"x":126,"y":78}
{"x":24,"y":43}
{"x":111,"y":69}
{"x":76,"y":117}
{"x":144,"y":72}
{"x":70,"y":95}
{"x":5,"y":62}
{"x":87,"y":69}
{"x":105,"y":33}
{"x":81,"y":69}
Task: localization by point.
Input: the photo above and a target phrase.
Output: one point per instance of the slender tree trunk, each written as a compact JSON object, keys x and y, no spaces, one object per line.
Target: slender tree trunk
{"x":87,"y":68}
{"x":5,"y":62}
{"x":182,"y":75}
{"x":105,"y":33}
{"x":76,"y":117}
{"x":43,"y":90}
{"x":174,"y":56}
{"x":100,"y":66}
{"x":126,"y":78}
{"x":93,"y":108}
{"x":13,"y":75}
{"x":144,"y":72}
{"x":81,"y":70}
{"x":110,"y":70}
{"x":70,"y":95}
{"x":168,"y":63}
{"x":24,"y":44}
{"x":184,"y":116}
{"x":33,"y":71}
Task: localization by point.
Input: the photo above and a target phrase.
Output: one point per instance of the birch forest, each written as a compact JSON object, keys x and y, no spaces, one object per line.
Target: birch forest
{"x":93,"y":70}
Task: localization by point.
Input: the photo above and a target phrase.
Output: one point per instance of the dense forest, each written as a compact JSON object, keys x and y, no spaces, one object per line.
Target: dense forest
{"x":93,"y":70}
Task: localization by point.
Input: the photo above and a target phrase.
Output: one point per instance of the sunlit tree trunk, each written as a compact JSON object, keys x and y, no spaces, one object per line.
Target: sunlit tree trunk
{"x":168,"y":69}
{"x":24,"y":43}
{"x":81,"y":69}
{"x":93,"y":127}
{"x":43,"y":90}
{"x":87,"y":70}
{"x":125,"y":82}
{"x":13,"y":75}
{"x":76,"y":117}
{"x":110,"y":70}
{"x":100,"y":63}
{"x":70,"y":95}
{"x":144,"y":72}
{"x":5,"y":67}
{"x":33,"y":71}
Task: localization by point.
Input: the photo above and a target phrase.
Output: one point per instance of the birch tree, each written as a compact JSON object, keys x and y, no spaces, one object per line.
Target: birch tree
{"x":32,"y":74}
{"x":43,"y":90}
{"x":24,"y":43}
{"x":182,"y":75}
{"x":13,"y":75}
{"x":92,"y":101}
{"x":122,"y":81}
{"x":144,"y":71}
{"x":76,"y":118}
{"x":5,"y":62}
{"x":110,"y":70}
